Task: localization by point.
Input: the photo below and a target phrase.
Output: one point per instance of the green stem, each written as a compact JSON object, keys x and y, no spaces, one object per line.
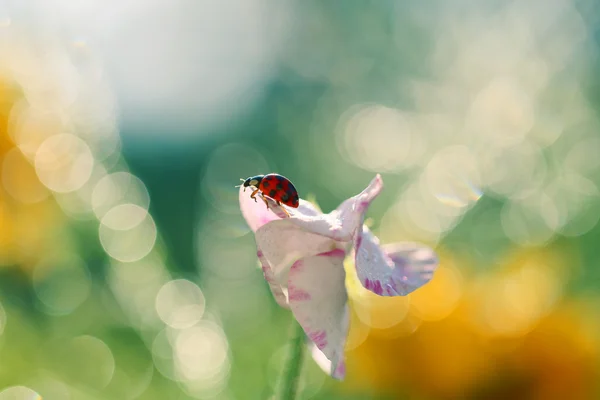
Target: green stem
{"x":290,"y":376}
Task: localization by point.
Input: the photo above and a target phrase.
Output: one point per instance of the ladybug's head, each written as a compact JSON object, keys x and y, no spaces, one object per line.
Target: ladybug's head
{"x":253,"y":181}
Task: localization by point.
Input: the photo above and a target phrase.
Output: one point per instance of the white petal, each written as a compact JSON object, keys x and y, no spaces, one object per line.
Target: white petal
{"x":320,"y":358}
{"x":257,"y":214}
{"x":276,"y":288}
{"x":393,"y":270}
{"x":317,"y":297}
{"x":306,"y":208}
{"x":355,"y":207}
{"x":283,"y":243}
{"x":342,"y":223}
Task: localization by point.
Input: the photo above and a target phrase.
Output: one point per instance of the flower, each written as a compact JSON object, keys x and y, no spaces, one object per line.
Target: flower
{"x":302,"y":258}
{"x":29,"y":217}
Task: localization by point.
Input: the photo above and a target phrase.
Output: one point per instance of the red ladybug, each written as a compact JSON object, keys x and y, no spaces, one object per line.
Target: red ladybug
{"x":275,"y":186}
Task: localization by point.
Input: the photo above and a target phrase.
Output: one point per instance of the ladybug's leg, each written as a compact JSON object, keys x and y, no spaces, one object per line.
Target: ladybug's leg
{"x":283,"y":208}
{"x":253,"y":195}
{"x":266,"y":202}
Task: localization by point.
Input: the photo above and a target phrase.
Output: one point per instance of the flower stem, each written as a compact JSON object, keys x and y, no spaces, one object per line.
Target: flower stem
{"x":290,"y":376}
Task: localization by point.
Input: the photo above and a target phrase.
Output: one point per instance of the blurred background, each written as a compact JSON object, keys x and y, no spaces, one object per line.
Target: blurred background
{"x":127,"y":271}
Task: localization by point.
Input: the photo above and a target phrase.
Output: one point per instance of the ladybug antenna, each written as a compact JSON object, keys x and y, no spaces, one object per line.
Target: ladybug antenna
{"x":243,"y":180}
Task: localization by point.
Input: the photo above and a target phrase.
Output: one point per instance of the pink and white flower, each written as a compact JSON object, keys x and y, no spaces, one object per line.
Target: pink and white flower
{"x":302,"y":258}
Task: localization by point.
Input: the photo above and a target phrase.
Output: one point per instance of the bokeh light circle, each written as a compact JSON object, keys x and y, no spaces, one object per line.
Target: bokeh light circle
{"x":514,"y":171}
{"x":502,"y":112}
{"x":180,"y":303}
{"x":440,"y":297}
{"x":19,"y":393}
{"x":582,"y":157}
{"x":379,"y":312}
{"x":118,"y":188}
{"x":525,"y":222}
{"x":135,"y":284}
{"x":577,"y":201}
{"x":453,"y":178}
{"x":512,"y":303}
{"x":162,"y":354}
{"x":201,"y":353}
{"x":78,"y":204}
{"x":377,"y":138}
{"x":57,"y":88}
{"x":64,"y":163}
{"x":29,"y":127}
{"x":49,"y":386}
{"x":124,"y":217}
{"x":130,"y":242}
{"x":90,"y":361}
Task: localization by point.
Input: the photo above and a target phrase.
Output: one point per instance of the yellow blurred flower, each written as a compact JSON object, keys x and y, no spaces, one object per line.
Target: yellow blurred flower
{"x":507,"y":334}
{"x":30,"y":220}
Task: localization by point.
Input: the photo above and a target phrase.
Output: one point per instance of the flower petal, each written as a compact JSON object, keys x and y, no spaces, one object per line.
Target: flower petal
{"x":283,"y":243}
{"x":342,"y":223}
{"x":257,"y":214}
{"x":392,"y":270}
{"x":318,"y":299}
{"x":355,"y":207}
{"x":306,"y":209}
{"x":276,"y":288}
{"x":325,"y":364}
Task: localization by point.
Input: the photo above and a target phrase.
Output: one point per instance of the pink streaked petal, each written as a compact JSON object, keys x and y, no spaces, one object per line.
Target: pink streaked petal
{"x":295,"y":294}
{"x":338,"y":373}
{"x":342,"y":223}
{"x":323,"y":314}
{"x":360,"y":202}
{"x":352,"y":211}
{"x":283,"y":243}
{"x":415,"y":263}
{"x":392,"y":270}
{"x":270,"y":278}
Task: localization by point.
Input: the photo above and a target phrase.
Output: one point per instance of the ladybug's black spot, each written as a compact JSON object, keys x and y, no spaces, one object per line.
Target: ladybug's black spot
{"x":285,"y":197}
{"x":272,"y":193}
{"x":265,"y":183}
{"x":279,"y":186}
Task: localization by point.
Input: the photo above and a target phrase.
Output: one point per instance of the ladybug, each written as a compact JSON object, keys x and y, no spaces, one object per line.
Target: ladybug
{"x":275,"y":186}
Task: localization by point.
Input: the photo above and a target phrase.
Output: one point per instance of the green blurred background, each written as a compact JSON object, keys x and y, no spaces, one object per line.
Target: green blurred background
{"x":127,"y":271}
